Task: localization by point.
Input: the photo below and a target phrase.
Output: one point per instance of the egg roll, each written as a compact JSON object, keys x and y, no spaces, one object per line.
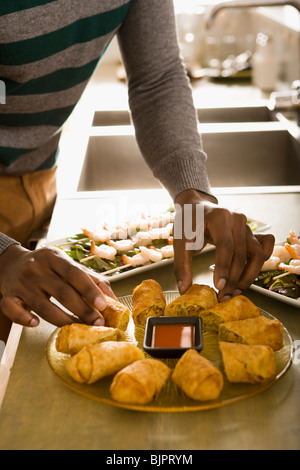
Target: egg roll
{"x":72,"y":338}
{"x":197,"y":298}
{"x":148,"y":300}
{"x":140,"y":382}
{"x":236,"y":308}
{"x":94,"y":362}
{"x":258,"y":330}
{"x":248,"y":363}
{"x":115,"y":314}
{"x":197,"y":377}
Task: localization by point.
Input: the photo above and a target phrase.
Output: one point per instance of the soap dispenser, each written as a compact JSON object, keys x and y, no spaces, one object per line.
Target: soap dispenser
{"x":264,"y":63}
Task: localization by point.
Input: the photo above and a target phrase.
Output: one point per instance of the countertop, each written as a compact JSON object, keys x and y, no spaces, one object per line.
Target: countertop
{"x":40,"y":413}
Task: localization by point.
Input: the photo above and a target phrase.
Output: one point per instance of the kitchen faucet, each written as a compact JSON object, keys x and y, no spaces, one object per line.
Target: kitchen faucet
{"x":213,"y":12}
{"x":294,"y":95}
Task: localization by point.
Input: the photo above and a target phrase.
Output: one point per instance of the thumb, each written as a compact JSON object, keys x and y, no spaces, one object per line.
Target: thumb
{"x":267,"y":243}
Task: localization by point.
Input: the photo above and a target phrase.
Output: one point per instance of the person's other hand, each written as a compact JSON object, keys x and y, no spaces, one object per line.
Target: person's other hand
{"x":239,"y":254}
{"x":28,"y":279}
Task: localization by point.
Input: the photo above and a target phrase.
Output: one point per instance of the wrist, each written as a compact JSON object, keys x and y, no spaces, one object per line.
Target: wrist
{"x":190,"y":196}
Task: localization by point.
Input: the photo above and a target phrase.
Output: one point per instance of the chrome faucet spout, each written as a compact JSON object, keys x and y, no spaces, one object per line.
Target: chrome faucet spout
{"x":248,"y":4}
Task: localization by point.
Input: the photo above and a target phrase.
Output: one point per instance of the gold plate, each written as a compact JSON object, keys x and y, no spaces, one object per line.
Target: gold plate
{"x":171,"y":398}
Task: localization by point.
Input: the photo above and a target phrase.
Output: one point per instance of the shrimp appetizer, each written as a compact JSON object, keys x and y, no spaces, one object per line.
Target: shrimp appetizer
{"x":140,"y":241}
{"x":281,"y":272}
{"x":113,"y":249}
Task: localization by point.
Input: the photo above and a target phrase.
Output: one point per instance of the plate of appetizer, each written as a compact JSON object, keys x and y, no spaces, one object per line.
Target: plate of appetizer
{"x":280,"y":274}
{"x":244,"y":351}
{"x":135,"y":246}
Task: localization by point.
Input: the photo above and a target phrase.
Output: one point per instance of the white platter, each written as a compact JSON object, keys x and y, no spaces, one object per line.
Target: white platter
{"x":276,"y":296}
{"x":259,"y":227}
{"x":269,"y":293}
{"x":137,"y":270}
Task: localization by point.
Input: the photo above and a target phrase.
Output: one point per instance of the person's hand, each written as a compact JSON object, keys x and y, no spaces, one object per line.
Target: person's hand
{"x":28,"y":279}
{"x":239,"y":254}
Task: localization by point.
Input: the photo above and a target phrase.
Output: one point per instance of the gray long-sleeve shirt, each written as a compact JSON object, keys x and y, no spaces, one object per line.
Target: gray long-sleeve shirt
{"x":48,"y":51}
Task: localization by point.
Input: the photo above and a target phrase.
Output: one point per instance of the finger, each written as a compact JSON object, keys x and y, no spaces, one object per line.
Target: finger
{"x":186,"y":220}
{"x":257,"y":254}
{"x":17,"y":312}
{"x":223,"y":255}
{"x":182,"y":265}
{"x":80,"y":281}
{"x":101,"y":282}
{"x":69,"y":298}
{"x":267,"y":242}
{"x":50,"y":311}
{"x":239,"y":257}
{"x":104,"y":285}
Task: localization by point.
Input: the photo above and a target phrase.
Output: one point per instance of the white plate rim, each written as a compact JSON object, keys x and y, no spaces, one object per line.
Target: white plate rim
{"x":271,"y":294}
{"x":261,"y":226}
{"x":133,"y":271}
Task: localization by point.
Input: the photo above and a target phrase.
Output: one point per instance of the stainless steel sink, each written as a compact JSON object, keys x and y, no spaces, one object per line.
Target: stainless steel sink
{"x":112,"y":118}
{"x":267,"y":157}
{"x":255,"y":113}
{"x":113,"y":161}
{"x":245,"y":147}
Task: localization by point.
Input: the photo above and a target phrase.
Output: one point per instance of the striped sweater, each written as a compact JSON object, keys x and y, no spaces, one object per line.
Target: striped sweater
{"x":49,"y":50}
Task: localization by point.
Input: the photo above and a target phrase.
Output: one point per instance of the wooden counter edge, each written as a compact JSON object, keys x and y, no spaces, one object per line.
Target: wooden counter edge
{"x":8,"y":358}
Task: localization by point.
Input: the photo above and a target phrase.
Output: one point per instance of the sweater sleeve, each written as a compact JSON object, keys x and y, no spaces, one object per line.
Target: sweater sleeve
{"x":160,"y":97}
{"x":5,"y":242}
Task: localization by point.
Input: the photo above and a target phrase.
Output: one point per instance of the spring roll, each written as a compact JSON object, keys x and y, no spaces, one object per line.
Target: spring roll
{"x":236,"y":308}
{"x":115,"y":314}
{"x":72,"y":338}
{"x":197,"y":376}
{"x":259,"y":330}
{"x":197,"y":298}
{"x":248,"y":363}
{"x":148,"y":300}
{"x":94,"y":362}
{"x":140,"y":382}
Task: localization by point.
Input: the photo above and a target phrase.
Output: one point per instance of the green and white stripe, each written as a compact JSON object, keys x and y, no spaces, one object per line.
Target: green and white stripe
{"x":48,"y":51}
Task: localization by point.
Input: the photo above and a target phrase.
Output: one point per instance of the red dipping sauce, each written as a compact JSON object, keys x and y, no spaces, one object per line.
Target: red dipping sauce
{"x":173,"y":336}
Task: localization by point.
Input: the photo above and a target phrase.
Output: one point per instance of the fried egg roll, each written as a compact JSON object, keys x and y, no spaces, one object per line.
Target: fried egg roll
{"x":94,"y":362}
{"x":140,"y":382}
{"x":148,"y":300}
{"x":259,"y":330}
{"x":236,"y":308}
{"x":248,"y":363}
{"x":72,"y":338}
{"x":197,"y":377}
{"x":115,"y":314}
{"x":197,"y":298}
